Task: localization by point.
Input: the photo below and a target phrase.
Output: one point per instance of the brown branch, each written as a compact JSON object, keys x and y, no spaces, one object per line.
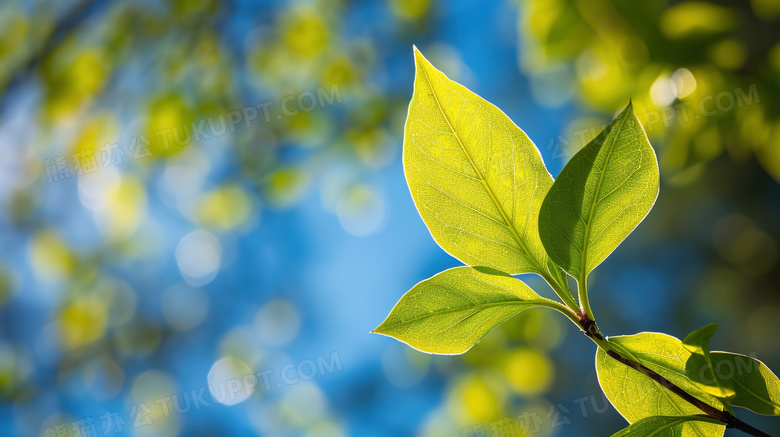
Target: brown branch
{"x":591,"y":330}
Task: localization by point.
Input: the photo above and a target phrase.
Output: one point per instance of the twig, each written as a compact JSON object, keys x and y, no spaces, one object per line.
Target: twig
{"x":591,"y":330}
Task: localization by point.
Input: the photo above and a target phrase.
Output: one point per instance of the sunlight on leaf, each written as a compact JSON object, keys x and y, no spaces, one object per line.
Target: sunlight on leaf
{"x":601,"y":195}
{"x":661,"y":426}
{"x":636,"y":396}
{"x":698,"y":344}
{"x":740,"y":380}
{"x":477,"y":179}
{"x":756,"y":387}
{"x":450,"y":312}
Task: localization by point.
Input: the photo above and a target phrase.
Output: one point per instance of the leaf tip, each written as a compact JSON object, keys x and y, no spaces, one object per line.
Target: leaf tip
{"x":418,"y":57}
{"x":630,"y":107}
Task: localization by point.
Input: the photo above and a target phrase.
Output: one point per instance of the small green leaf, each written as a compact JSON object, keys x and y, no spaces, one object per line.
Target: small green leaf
{"x":699,"y":365}
{"x":636,"y":396}
{"x":450,"y":312}
{"x":477,"y":179}
{"x":601,"y":195}
{"x":740,"y":380}
{"x":756,"y":387}
{"x":661,"y":426}
{"x":698,"y":341}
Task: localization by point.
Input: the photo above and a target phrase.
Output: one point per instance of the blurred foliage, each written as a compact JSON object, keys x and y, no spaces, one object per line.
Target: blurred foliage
{"x":113,"y":95}
{"x":702,"y":73}
{"x":103,"y":285}
{"x":508,"y":375}
{"x":705,"y":76}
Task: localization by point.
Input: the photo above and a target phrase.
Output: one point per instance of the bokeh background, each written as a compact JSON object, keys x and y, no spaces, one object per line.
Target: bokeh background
{"x":139,"y":266}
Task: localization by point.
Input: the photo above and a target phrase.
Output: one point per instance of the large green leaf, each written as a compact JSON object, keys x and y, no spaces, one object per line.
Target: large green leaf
{"x":601,"y":195}
{"x":756,"y":387}
{"x":661,"y":426}
{"x":476,"y":178}
{"x":636,"y":396}
{"x":450,"y":312}
{"x":699,"y":365}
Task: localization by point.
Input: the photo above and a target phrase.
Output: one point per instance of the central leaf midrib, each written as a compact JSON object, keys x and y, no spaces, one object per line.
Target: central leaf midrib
{"x":451,"y":310}
{"x":664,"y":390}
{"x":583,"y":264}
{"x":665,"y":369}
{"x":678,"y":422}
{"x":708,"y":360}
{"x":509,"y":224}
{"x":668,"y":426}
{"x":768,"y":402}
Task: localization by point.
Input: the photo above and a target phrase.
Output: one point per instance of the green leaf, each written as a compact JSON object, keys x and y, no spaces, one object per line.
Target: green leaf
{"x":477,"y":179}
{"x":450,"y":312}
{"x":601,"y":195}
{"x":636,"y":396}
{"x":698,"y":341}
{"x":699,"y":365}
{"x":740,"y":380}
{"x":756,"y":387}
{"x":661,"y":426}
